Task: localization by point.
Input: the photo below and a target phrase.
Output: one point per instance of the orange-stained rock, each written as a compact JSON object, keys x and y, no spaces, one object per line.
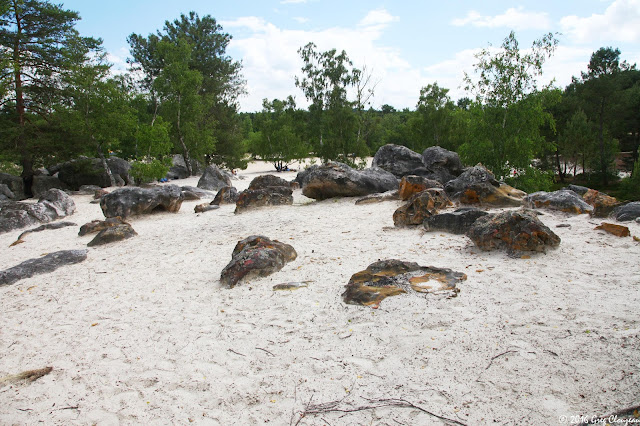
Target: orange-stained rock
{"x":421,"y":206}
{"x":603,"y":204}
{"x":612,"y":228}
{"x":483,"y":193}
{"x":387,"y":278}
{"x":412,"y":184}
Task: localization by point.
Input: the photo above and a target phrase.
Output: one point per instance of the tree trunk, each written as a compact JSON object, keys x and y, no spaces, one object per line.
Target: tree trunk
{"x":185,"y":150}
{"x":105,"y":165}
{"x":26,"y":157}
{"x":560,"y":173}
{"x":603,"y":161}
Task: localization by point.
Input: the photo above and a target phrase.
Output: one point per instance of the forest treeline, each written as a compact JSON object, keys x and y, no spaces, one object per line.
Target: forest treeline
{"x":61,"y":99}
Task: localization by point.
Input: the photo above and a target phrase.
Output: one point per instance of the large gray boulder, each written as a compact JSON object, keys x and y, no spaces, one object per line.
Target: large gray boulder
{"x":52,"y":205}
{"x":564,"y":200}
{"x":456,"y":222}
{"x":15,"y":185}
{"x":90,"y":171}
{"x":441,"y":164}
{"x":125,"y":202}
{"x":214,"y":179}
{"x":41,"y":265}
{"x":339,"y":180}
{"x":399,"y":160}
{"x":267,"y":190}
{"x":628,"y":212}
{"x":6,"y":193}
{"x":43,"y":183}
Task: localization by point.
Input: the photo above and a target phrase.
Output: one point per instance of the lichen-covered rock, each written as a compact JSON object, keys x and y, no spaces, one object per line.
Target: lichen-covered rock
{"x":226,"y":195}
{"x":628,"y":212}
{"x":612,"y":228}
{"x":41,"y":265}
{"x":386,"y":278}
{"x":602,"y":203}
{"x":265,"y":191}
{"x":441,"y":164}
{"x":456,"y":222}
{"x":421,"y":206}
{"x":256,"y":255}
{"x":399,"y":160}
{"x":413,"y":184}
{"x":99,"y":225}
{"x":563,"y":200}
{"x":214,"y":179}
{"x":113,"y":234}
{"x":378,"y":198}
{"x":513,"y":231}
{"x":125,"y":202}
{"x":472,"y":175}
{"x":54,"y":204}
{"x":339,"y":180}
{"x":485,"y":194}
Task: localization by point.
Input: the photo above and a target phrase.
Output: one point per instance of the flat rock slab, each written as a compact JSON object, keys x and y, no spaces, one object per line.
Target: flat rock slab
{"x":378,"y":198}
{"x":42,"y":265}
{"x":612,"y":228}
{"x":256,"y":255}
{"x":387,"y":278}
{"x":564,"y":200}
{"x":125,"y":202}
{"x":514,"y":231}
{"x":113,"y":234}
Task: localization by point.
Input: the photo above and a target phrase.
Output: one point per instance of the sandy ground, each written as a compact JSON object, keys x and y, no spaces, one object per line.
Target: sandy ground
{"x":143,"y":333}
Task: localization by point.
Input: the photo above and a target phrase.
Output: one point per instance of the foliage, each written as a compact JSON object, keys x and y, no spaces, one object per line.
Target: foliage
{"x":630,"y":186}
{"x":531,"y":180}
{"x":149,"y":169}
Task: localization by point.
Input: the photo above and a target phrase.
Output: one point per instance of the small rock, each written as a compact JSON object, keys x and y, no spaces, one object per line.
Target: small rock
{"x":205,"y":207}
{"x":99,"y":225}
{"x":378,"y":198}
{"x":421,"y":206}
{"x":612,"y":228}
{"x":112,"y":234}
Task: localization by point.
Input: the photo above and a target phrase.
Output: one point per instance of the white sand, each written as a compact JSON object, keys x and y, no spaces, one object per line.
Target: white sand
{"x":142,"y":332}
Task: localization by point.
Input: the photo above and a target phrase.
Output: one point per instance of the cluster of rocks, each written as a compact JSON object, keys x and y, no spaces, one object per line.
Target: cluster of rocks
{"x":53,"y":205}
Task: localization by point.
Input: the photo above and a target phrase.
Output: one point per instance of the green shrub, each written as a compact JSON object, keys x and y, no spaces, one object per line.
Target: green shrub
{"x":531,"y":180}
{"x":629,"y":188}
{"x":145,"y":171}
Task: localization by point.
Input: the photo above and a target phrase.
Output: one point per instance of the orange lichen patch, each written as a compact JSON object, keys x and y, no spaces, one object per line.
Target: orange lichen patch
{"x":408,"y":189}
{"x":612,"y":228}
{"x":470,"y":196}
{"x":378,"y":294}
{"x":603,"y":204}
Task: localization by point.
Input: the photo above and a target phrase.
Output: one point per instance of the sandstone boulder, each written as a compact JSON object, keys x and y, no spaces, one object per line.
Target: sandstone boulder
{"x":205,"y":207}
{"x":580,"y":190}
{"x":456,"y":222}
{"x":6,"y":193}
{"x":265,"y":191}
{"x":100,"y":225}
{"x":226,"y":195}
{"x":43,"y":183}
{"x":421,"y":206}
{"x":386,"y":278}
{"x":113,"y":234}
{"x":612,"y":228}
{"x":90,"y":171}
{"x":413,"y":184}
{"x":378,"y":198}
{"x":54,"y":204}
{"x":41,"y":265}
{"x":563,"y":200}
{"x":477,"y":186}
{"x":441,"y":164}
{"x":125,"y":202}
{"x":256,"y":255}
{"x":602,"y":203}
{"x":513,"y":231}
{"x":339,"y":180}
{"x":213,"y":179}
{"x":627,"y":212}
{"x":399,"y":160}
{"x":15,"y":186}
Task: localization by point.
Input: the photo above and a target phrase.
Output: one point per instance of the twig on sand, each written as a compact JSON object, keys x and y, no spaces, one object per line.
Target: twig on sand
{"x":498,"y":356}
{"x":339,"y":406}
{"x":264,"y":350}
{"x":630,"y":411}
{"x":28,"y":376}
{"x":237,"y":353}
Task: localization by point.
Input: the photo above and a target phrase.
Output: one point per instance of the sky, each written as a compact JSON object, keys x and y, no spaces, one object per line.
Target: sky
{"x":404,"y":45}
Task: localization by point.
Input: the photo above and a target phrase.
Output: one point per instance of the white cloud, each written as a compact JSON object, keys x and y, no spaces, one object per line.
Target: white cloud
{"x":300,"y":19}
{"x":517,"y":19}
{"x":292,"y":1}
{"x":377,"y":17}
{"x":620,"y":22}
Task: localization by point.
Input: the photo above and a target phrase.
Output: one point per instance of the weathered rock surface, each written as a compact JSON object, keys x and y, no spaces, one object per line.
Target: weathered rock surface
{"x":15,"y":185}
{"x":441,"y":164}
{"x":178,"y":169}
{"x":6,"y":193}
{"x":580,"y":190}
{"x":456,"y":222}
{"x":513,"y":231}
{"x":42,"y":265}
{"x":200,"y":193}
{"x":386,"y":278}
{"x":630,"y":211}
{"x":100,"y":225}
{"x":113,"y":234}
{"x":477,"y":186}
{"x":125,"y":202}
{"x":472,"y":175}
{"x":43,"y":183}
{"x":214,"y":179}
{"x":256,"y":255}
{"x":54,"y":204}
{"x":399,"y":160}
{"x":339,"y":180}
{"x":226,"y":195}
{"x":602,"y":203}
{"x":378,"y":198}
{"x":90,"y":171}
{"x":413,"y":184}
{"x":264,"y":191}
{"x":612,"y":228}
{"x":563,"y":200}
{"x":421,"y":206}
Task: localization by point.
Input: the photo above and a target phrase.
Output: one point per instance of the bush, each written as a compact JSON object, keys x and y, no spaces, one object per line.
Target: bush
{"x":532,"y":180}
{"x":145,"y":171}
{"x":629,"y":188}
